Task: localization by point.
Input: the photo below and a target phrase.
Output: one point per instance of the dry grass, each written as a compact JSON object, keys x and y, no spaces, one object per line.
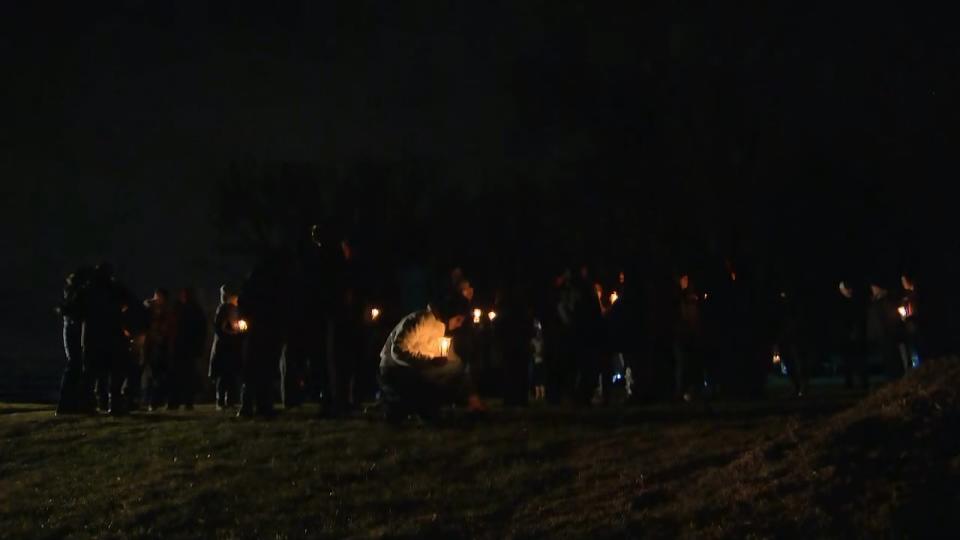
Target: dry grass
{"x":774,"y":468}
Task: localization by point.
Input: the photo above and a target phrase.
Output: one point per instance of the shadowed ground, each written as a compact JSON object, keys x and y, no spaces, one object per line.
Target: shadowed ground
{"x":663,"y":470}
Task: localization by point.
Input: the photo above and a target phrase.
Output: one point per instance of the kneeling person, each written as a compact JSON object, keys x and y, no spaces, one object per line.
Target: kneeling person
{"x":417,"y":373}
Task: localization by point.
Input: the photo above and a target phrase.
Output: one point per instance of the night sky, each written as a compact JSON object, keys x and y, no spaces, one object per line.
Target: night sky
{"x":118,"y":121}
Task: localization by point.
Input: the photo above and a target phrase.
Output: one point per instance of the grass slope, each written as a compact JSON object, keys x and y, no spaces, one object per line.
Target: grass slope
{"x":668,"y":470}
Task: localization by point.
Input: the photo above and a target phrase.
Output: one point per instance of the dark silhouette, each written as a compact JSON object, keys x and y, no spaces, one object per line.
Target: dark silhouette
{"x":227,"y":349}
{"x":158,"y":348}
{"x":264,"y":304}
{"x":190,"y":339}
{"x":104,"y":345}
{"x":74,"y":394}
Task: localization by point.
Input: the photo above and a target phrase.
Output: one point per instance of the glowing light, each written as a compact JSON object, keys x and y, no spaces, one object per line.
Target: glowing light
{"x":477,"y":314}
{"x":444,"y":346}
{"x":614,"y":297}
{"x":374,"y":314}
{"x":776,"y":358}
{"x":242,"y":325}
{"x":902,"y":310}
{"x":492,"y":315}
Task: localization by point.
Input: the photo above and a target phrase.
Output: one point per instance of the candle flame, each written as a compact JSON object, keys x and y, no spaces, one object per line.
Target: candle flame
{"x":242,"y":325}
{"x":902,"y":310}
{"x":776,"y":358}
{"x":614,"y":297}
{"x":444,"y":346}
{"x":492,"y":315}
{"x":476,"y":316}
{"x":374,"y":313}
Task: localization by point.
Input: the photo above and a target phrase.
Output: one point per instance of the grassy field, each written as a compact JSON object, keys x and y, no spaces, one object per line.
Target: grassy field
{"x":542,"y":472}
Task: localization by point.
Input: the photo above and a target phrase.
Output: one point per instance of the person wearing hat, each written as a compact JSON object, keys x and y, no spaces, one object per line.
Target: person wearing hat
{"x":418,"y":374}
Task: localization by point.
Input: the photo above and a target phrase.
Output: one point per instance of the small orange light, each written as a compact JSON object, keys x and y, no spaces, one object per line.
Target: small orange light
{"x":492,"y":315}
{"x":242,"y":325}
{"x":477,"y":314}
{"x":444,"y":346}
{"x":374,"y":314}
{"x":614,"y":297}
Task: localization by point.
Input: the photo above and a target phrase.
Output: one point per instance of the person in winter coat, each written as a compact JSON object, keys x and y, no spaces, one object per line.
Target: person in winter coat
{"x":105,"y":348}
{"x":688,"y":367}
{"x":265,"y":304}
{"x":189,"y":340}
{"x":157,"y":348}
{"x":417,"y":373}
{"x":75,"y":395}
{"x":227,"y":350}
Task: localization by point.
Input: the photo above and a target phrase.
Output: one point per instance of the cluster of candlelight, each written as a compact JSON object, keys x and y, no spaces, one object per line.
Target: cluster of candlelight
{"x":478,"y":315}
{"x":242,"y":325}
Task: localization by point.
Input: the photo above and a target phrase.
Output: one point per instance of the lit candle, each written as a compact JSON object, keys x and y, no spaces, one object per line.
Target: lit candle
{"x":477,"y":313}
{"x":242,"y":325}
{"x":492,"y":315}
{"x":444,"y":346}
{"x":614,"y":297}
{"x":374,"y":313}
{"x":902,"y":310}
{"x":776,"y":358}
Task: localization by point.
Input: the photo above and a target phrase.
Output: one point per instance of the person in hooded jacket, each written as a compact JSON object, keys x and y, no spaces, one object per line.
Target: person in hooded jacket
{"x":158,"y":347}
{"x":227,"y":349}
{"x":417,"y":376}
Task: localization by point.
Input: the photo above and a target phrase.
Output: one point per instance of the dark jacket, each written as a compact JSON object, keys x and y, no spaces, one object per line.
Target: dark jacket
{"x":191,"y":332}
{"x":226,"y":352}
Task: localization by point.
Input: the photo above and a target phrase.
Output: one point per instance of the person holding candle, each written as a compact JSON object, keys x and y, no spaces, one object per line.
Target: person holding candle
{"x":417,"y":376}
{"x":226,"y":352}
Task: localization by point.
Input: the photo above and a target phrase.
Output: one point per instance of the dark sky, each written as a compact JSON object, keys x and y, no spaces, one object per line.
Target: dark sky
{"x":118,"y":118}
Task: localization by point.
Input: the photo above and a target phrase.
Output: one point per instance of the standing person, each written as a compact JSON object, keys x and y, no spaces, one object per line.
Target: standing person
{"x":104,"y":345}
{"x":882,"y":320}
{"x":344,"y":333}
{"x":226,"y":352}
{"x":514,"y":329}
{"x":851,"y":335}
{"x":303,"y":366}
{"x":157,"y":348}
{"x":190,"y":338}
{"x":909,"y":345}
{"x":559,"y":337}
{"x":788,"y":340}
{"x":538,"y":369}
{"x":587,"y":336}
{"x":75,"y":396}
{"x":688,"y":368}
{"x":264,"y":304}
{"x":417,"y":374}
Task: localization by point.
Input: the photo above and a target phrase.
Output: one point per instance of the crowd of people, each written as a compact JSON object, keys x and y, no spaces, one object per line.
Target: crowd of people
{"x":308,"y":325}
